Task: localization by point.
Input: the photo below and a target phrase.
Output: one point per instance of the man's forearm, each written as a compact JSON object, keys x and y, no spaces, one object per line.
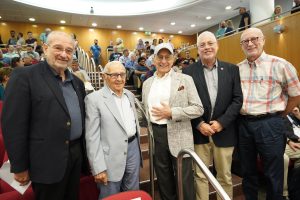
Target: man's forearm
{"x":292,"y":103}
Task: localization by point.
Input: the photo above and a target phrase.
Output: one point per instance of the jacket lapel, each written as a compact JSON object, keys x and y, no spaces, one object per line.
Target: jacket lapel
{"x":202,"y":82}
{"x":175,"y":83}
{"x":80,"y":97}
{"x":54,"y":86}
{"x":111,"y":105}
{"x":221,"y":81}
{"x":146,"y":91}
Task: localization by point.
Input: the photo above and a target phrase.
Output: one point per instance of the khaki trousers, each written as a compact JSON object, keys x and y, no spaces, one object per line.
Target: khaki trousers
{"x":222,"y":157}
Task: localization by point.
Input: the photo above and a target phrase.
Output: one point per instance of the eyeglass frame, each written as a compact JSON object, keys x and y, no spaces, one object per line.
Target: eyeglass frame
{"x":116,"y":75}
{"x":253,"y":40}
{"x":60,"y":50}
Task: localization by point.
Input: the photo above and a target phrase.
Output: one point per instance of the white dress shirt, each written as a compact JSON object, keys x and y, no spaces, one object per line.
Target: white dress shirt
{"x":159,"y":92}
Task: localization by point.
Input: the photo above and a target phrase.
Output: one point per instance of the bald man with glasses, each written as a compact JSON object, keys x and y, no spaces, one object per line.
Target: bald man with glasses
{"x":271,"y":89}
{"x":113,"y":134}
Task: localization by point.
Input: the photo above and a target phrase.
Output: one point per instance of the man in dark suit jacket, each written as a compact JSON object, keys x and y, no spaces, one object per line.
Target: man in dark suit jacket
{"x":43,"y":123}
{"x":218,"y":85}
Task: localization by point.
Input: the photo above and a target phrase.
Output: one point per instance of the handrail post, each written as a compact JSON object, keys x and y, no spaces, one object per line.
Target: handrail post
{"x":150,"y":137}
{"x":220,"y":191}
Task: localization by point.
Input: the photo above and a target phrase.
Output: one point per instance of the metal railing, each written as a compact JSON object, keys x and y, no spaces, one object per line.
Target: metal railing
{"x":210,"y":177}
{"x":151,"y":147}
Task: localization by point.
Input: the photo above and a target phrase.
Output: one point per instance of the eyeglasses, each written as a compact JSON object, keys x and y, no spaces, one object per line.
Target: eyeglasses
{"x":246,"y":42}
{"x":116,"y":75}
{"x":209,"y":44}
{"x":60,"y":49}
{"x":167,"y":58}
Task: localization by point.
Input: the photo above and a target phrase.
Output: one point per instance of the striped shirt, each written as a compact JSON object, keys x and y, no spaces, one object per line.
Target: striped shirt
{"x":266,"y":84}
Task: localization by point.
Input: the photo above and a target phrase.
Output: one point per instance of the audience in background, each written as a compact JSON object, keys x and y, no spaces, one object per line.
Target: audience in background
{"x":229,"y":27}
{"x":31,"y":53}
{"x":95,"y":50}
{"x":119,"y":45}
{"x":4,"y":62}
{"x":17,"y":62}
{"x":160,"y":40}
{"x":147,"y":45}
{"x":21,"y":40}
{"x":154,"y":43}
{"x":31,"y":40}
{"x":245,"y":19}
{"x":277,"y":13}
{"x":140,"y":45}
{"x":296,"y":8}
{"x":5,"y":73}
{"x":125,"y":57}
{"x":221,"y":31}
{"x":44,"y":35}
{"x":13,"y":39}
{"x":115,"y":55}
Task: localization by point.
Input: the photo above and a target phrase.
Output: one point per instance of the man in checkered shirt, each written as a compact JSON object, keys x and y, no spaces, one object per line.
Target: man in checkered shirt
{"x":270,"y":90}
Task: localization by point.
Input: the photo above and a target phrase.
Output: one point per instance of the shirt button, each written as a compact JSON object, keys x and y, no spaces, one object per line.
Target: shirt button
{"x":67,"y":142}
{"x":125,"y":153}
{"x":126,"y":141}
{"x":68,"y":123}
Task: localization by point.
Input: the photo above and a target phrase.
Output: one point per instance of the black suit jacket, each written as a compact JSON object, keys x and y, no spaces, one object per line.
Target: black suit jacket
{"x":228,"y":103}
{"x":36,"y":123}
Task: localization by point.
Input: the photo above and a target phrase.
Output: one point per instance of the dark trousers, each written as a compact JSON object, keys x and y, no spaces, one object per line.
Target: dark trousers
{"x":166,"y":168}
{"x":68,"y":187}
{"x":266,"y":137}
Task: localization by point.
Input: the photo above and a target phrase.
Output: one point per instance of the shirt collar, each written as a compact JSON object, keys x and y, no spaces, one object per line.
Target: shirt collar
{"x":214,"y":67}
{"x":259,"y":60}
{"x":68,"y":74}
{"x":114,"y":94}
{"x":167,"y":75}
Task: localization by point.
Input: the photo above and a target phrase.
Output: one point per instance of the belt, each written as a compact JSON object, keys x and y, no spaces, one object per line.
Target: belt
{"x":262,"y":116}
{"x":73,"y":142}
{"x":131,"y":138}
{"x":159,"y":125}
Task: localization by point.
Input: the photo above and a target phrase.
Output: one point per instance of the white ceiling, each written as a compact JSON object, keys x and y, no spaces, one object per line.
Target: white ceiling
{"x":182,"y":12}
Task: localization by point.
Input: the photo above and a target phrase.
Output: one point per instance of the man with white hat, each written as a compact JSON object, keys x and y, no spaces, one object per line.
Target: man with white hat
{"x":171,"y":101}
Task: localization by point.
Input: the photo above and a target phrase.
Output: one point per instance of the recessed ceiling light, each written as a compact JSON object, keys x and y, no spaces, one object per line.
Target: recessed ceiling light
{"x":0,"y":17}
{"x":153,"y":35}
{"x":94,"y":24}
{"x":31,"y":19}
{"x":3,"y":24}
{"x":141,"y":28}
{"x":171,"y":36}
{"x":119,"y":26}
{"x":62,"y":21}
{"x":179,"y":32}
{"x":34,"y":25}
{"x":161,"y":30}
{"x":134,"y":33}
{"x":91,"y":30}
{"x":228,"y":7}
{"x":172,"y":23}
{"x":62,"y":28}
{"x":208,"y":17}
{"x":193,"y":25}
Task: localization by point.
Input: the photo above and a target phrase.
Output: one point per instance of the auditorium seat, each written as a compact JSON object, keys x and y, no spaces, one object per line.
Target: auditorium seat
{"x":130,"y":195}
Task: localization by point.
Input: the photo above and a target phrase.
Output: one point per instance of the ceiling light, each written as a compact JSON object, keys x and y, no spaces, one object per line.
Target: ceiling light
{"x":34,"y":25}
{"x":193,"y":25}
{"x":141,"y":28}
{"x":179,"y":32}
{"x":62,"y":21}
{"x":171,"y":36}
{"x":62,"y":28}
{"x":161,"y":30}
{"x":228,"y":7}
{"x":0,"y":17}
{"x":208,"y":17}
{"x":94,"y":24}
{"x":31,"y":19}
{"x":134,"y":33}
{"x":91,"y":30}
{"x":172,"y":23}
{"x":3,"y":24}
{"x":119,"y":26}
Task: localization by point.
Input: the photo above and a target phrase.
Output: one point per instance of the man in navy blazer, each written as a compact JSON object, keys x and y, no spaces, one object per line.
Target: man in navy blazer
{"x":218,"y":85}
{"x":43,"y":123}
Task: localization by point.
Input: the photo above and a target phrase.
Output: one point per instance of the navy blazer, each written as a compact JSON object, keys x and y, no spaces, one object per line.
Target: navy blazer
{"x":36,"y":123}
{"x":228,"y":103}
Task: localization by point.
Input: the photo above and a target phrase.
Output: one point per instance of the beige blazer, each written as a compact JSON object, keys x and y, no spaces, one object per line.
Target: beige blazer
{"x":185,"y":105}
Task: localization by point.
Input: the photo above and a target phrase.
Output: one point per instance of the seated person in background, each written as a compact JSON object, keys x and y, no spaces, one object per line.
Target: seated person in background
{"x":27,"y":60}
{"x":114,"y":56}
{"x":11,"y":52}
{"x":44,"y":35}
{"x":130,"y":67}
{"x":229,"y":28}
{"x":31,"y":40}
{"x":296,"y":8}
{"x":75,"y":67}
{"x":292,"y":149}
{"x":29,"y":52}
{"x":120,"y":45}
{"x":147,"y":45}
{"x":277,"y":13}
{"x":4,"y":62}
{"x":87,"y":84}
{"x":221,"y":31}
{"x":5,"y":73}
{"x":17,"y":62}
{"x":141,"y":69}
{"x":21,"y":40}
{"x":125,"y":57}
{"x":140,"y":45}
